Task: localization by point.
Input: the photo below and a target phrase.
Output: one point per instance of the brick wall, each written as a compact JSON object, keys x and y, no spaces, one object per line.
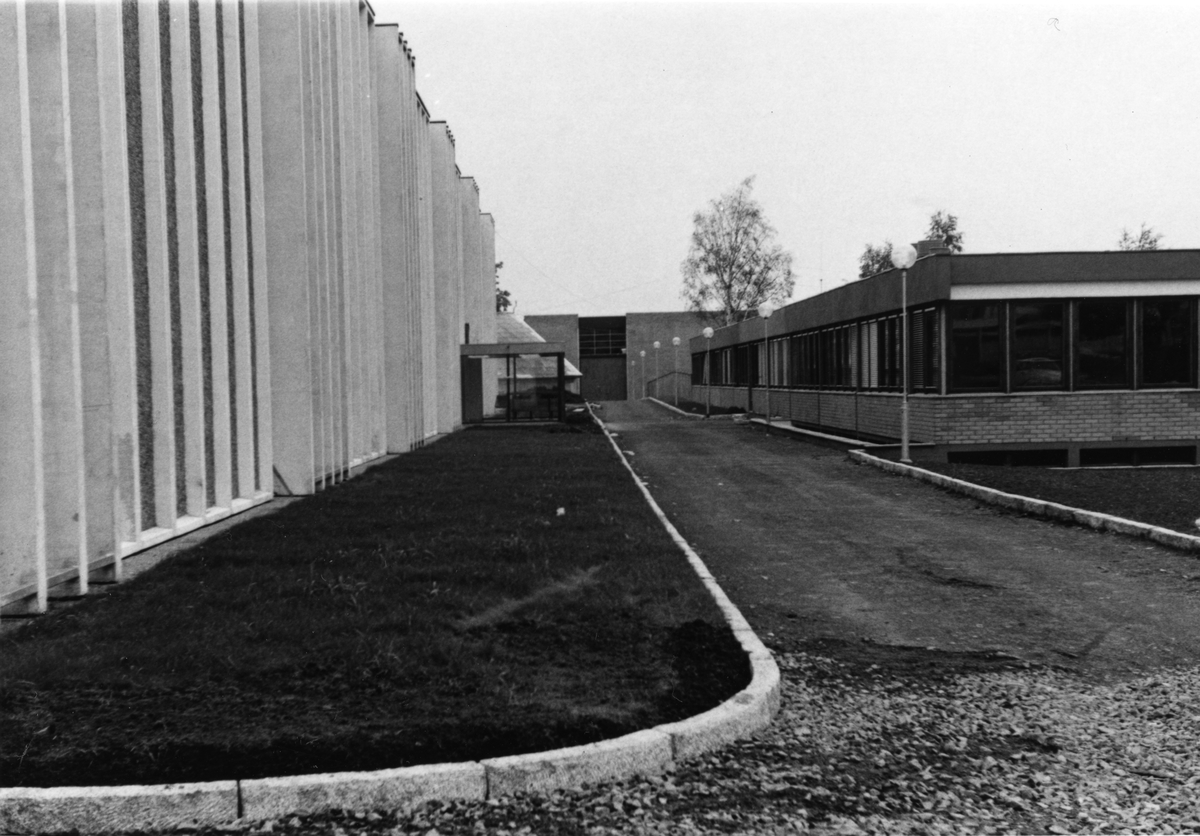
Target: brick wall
{"x":1059,"y":417}
{"x":1074,"y":416}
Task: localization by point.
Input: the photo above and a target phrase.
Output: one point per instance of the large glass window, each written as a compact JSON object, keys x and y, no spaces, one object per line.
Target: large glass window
{"x":872,"y":354}
{"x":1103,"y":344}
{"x":977,"y":362}
{"x":1037,"y":345}
{"x":1167,"y":356}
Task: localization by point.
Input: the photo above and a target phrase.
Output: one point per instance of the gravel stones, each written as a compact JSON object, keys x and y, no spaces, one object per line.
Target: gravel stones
{"x":857,"y":749}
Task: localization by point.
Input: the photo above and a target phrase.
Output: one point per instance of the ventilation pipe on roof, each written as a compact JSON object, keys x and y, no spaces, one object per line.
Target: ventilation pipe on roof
{"x":931,"y":246}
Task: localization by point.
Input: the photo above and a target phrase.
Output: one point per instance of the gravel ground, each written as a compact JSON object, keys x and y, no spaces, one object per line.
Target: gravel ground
{"x":1007,"y":748}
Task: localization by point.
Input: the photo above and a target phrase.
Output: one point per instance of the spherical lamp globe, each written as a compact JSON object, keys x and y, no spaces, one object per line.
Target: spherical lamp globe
{"x":904,"y":256}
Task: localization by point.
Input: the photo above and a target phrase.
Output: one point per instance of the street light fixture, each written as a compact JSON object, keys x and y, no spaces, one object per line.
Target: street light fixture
{"x":675,"y":342}
{"x":642,"y":354}
{"x":657,"y":344}
{"x":765,"y":309}
{"x":904,"y":257}
{"x":708,"y":334}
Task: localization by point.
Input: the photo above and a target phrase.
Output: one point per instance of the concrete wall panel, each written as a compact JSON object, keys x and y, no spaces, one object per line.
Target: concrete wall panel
{"x":243,"y":259}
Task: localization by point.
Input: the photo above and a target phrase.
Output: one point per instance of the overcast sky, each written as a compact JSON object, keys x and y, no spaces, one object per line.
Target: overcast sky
{"x":596,"y":130}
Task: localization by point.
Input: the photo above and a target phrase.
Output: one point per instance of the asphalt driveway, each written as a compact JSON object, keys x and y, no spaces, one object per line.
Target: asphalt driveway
{"x":810,"y":546}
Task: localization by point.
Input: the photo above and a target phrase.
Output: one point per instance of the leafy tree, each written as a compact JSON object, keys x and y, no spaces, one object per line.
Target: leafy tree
{"x":503,"y":298}
{"x":875,"y":259}
{"x":733,"y":263}
{"x":944,"y":227}
{"x":1147,"y":239}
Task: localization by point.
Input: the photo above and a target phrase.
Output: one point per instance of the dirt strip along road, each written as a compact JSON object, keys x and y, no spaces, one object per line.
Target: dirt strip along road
{"x":813,"y":547}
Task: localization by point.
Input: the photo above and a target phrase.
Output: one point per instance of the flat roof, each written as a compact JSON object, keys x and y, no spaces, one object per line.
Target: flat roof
{"x":941,"y":277}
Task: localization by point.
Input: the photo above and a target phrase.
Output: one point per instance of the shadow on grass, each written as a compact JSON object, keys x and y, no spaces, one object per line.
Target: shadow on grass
{"x":344,"y":632}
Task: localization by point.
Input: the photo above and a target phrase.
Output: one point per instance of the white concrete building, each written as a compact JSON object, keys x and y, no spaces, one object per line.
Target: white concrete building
{"x":239,"y":260}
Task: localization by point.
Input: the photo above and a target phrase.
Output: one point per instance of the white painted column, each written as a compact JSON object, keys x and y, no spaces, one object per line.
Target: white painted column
{"x":187,"y":223}
{"x":241,"y":381}
{"x":339,"y":397}
{"x":447,"y":241}
{"x":261,"y":366}
{"x":214,"y":190}
{"x":378,"y":427}
{"x":356,"y":323}
{"x":53,"y":215}
{"x":287,"y":171}
{"x":88,"y":173}
{"x":118,"y":292}
{"x":390,"y":175}
{"x":323,"y":274}
{"x":22,"y":524}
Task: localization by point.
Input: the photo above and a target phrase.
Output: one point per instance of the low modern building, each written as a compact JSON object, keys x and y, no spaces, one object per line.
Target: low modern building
{"x":1086,"y":358}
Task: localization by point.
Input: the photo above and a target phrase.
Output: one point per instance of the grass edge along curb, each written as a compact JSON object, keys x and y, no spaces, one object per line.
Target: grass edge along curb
{"x":1037,"y":507}
{"x":668,"y":406}
{"x":36,"y":810}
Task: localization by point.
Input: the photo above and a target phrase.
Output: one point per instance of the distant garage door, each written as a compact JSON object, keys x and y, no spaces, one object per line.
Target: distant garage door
{"x":602,"y":357}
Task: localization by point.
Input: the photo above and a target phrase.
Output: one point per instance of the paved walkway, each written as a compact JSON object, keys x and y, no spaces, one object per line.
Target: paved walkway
{"x":809,"y":544}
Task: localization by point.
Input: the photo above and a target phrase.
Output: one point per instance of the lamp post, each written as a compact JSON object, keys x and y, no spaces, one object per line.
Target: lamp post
{"x":765,"y":309}
{"x":657,"y":345}
{"x":642,"y":354}
{"x":708,"y":332}
{"x":675,"y":342}
{"x":903,"y":257}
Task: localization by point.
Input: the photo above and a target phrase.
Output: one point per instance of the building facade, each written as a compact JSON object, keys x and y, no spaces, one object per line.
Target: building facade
{"x":608,"y":352}
{"x":239,"y":261}
{"x":1040,"y":358}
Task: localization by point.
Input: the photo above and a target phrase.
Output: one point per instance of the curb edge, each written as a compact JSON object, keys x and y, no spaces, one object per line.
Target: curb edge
{"x":34,"y":810}
{"x":1036,"y":507}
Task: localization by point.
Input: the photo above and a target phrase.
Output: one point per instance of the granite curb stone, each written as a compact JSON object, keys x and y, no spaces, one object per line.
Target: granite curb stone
{"x":102,"y":809}
{"x":25,"y":810}
{"x":265,"y":798}
{"x":641,"y":753}
{"x":1036,"y":507}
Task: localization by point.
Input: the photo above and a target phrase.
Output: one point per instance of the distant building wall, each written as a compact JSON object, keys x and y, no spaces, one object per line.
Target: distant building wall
{"x":607,"y":350}
{"x":558,"y":328}
{"x":664,"y":367}
{"x":240,"y":261}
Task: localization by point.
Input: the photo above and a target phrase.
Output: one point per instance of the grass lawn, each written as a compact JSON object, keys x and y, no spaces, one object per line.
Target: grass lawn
{"x":1167,"y":497}
{"x":496,"y":593}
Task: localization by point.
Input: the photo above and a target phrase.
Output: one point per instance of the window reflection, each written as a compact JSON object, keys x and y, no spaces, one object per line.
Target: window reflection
{"x":1037,"y":345}
{"x":975,"y":342}
{"x":1166,"y":347}
{"x":1103,"y":344}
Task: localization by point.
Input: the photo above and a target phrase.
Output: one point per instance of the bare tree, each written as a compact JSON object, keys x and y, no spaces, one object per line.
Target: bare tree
{"x":734,"y":263}
{"x":1147,"y":239}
